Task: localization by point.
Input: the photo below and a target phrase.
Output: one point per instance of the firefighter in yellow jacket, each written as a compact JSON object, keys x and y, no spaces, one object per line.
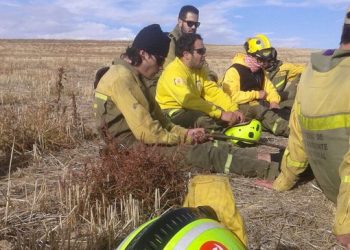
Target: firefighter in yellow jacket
{"x":187,"y":96}
{"x":284,"y":76}
{"x":320,"y":130}
{"x":126,"y":112}
{"x":248,"y":85}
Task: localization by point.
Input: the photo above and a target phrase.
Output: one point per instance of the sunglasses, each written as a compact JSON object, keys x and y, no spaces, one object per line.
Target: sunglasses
{"x":191,"y":23}
{"x":201,"y":51}
{"x":159,"y":59}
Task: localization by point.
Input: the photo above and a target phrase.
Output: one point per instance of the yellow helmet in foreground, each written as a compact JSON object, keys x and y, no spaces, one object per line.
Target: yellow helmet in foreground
{"x":248,"y":133}
{"x":183,"y":228}
{"x":257,"y":43}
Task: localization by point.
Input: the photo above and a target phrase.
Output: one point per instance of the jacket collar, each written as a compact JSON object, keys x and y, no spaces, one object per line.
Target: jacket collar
{"x":126,"y":65}
{"x":176,"y":32}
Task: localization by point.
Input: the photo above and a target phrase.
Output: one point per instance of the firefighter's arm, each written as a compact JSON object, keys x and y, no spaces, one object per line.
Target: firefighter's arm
{"x":342,"y":216}
{"x":294,"y":160}
{"x":217,"y":96}
{"x":141,"y":123}
{"x":272,"y":95}
{"x":231,"y":86}
{"x":293,"y":70}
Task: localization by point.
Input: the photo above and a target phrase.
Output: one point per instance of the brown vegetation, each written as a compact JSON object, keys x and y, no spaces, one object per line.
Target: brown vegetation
{"x":69,"y":196}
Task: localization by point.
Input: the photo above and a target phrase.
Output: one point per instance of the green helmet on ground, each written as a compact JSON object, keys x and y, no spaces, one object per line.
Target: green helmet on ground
{"x":183,"y":228}
{"x":248,"y":133}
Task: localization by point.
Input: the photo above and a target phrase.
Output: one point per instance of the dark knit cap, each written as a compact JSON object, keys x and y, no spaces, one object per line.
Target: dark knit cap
{"x":153,"y":40}
{"x":345,"y":36}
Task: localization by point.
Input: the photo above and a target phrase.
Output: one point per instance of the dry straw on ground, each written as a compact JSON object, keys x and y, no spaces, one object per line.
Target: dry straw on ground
{"x":46,"y":91}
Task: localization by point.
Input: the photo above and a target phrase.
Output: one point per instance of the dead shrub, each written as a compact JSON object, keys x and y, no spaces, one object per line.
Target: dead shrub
{"x":136,"y":171}
{"x":39,"y":126}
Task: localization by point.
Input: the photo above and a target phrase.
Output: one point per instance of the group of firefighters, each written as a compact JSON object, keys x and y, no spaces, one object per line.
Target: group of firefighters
{"x":162,"y":91}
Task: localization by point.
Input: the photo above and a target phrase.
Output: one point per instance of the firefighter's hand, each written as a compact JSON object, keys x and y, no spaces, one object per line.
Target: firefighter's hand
{"x":262,"y":94}
{"x":274,"y":105}
{"x":232,"y":118}
{"x":197,"y":135}
{"x":344,"y":240}
{"x":264,"y":183}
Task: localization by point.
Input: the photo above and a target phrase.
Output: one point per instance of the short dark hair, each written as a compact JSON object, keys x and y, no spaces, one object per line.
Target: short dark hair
{"x":186,"y":9}
{"x":133,"y":54}
{"x":186,"y":43}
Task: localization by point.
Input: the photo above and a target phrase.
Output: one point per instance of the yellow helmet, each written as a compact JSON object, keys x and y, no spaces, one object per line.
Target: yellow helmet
{"x":257,"y":43}
{"x":247,"y":133}
{"x":183,"y":228}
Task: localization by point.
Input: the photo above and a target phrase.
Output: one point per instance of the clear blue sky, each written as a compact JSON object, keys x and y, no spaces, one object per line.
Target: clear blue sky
{"x":292,"y":23}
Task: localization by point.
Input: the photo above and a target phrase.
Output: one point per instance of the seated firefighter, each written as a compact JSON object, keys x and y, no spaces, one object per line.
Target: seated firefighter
{"x":187,"y":22}
{"x":247,"y":84}
{"x":186,"y":95}
{"x":127,"y":113}
{"x":320,"y":131}
{"x":284,"y":76}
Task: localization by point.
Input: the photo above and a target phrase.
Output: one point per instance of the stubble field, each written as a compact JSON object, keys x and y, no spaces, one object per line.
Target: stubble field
{"x":48,"y":140}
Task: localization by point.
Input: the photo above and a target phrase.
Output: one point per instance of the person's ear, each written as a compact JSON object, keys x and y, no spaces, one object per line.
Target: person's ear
{"x":187,"y":54}
{"x":144,"y":54}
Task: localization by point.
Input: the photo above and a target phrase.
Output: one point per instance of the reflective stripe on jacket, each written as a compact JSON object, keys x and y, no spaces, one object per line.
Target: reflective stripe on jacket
{"x":286,"y":72}
{"x":182,"y":87}
{"x":123,"y":105}
{"x":320,"y":132}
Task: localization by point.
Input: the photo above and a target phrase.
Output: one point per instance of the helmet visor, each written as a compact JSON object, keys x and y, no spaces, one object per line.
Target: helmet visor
{"x":265,"y":55}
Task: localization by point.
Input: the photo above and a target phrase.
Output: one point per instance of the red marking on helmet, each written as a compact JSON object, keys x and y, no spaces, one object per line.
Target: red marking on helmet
{"x":213,"y":245}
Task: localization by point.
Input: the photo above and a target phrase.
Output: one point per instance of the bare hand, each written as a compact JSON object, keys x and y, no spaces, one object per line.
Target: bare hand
{"x":264,"y":183}
{"x":262,"y":94}
{"x":197,"y":134}
{"x":232,"y":117}
{"x":344,"y":240}
{"x":274,"y":105}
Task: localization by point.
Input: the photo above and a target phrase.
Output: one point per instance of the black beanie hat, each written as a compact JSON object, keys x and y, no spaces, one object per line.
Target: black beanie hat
{"x":345,"y":36}
{"x":153,"y":40}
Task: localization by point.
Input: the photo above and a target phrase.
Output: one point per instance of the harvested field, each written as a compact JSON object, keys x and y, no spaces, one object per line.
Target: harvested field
{"x":48,"y":141}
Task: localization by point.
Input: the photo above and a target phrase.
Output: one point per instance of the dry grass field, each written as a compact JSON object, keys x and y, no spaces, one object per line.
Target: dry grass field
{"x":53,"y":194}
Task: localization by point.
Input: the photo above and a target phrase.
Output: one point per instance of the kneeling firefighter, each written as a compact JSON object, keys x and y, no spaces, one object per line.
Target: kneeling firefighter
{"x":209,"y":220}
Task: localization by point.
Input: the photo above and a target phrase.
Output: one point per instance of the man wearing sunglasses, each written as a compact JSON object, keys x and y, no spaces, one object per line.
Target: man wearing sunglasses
{"x":247,"y":84}
{"x":126,"y":113}
{"x":187,"y":96}
{"x":187,"y":23}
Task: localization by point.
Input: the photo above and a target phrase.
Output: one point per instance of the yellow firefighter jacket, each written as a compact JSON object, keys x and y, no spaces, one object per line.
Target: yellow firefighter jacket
{"x":181,"y":87}
{"x":124,"y":105}
{"x":284,"y":73}
{"x":233,"y":84}
{"x":320,"y":132}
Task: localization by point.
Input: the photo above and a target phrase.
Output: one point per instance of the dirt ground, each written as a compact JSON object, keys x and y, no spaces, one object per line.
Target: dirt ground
{"x":298,"y":219}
